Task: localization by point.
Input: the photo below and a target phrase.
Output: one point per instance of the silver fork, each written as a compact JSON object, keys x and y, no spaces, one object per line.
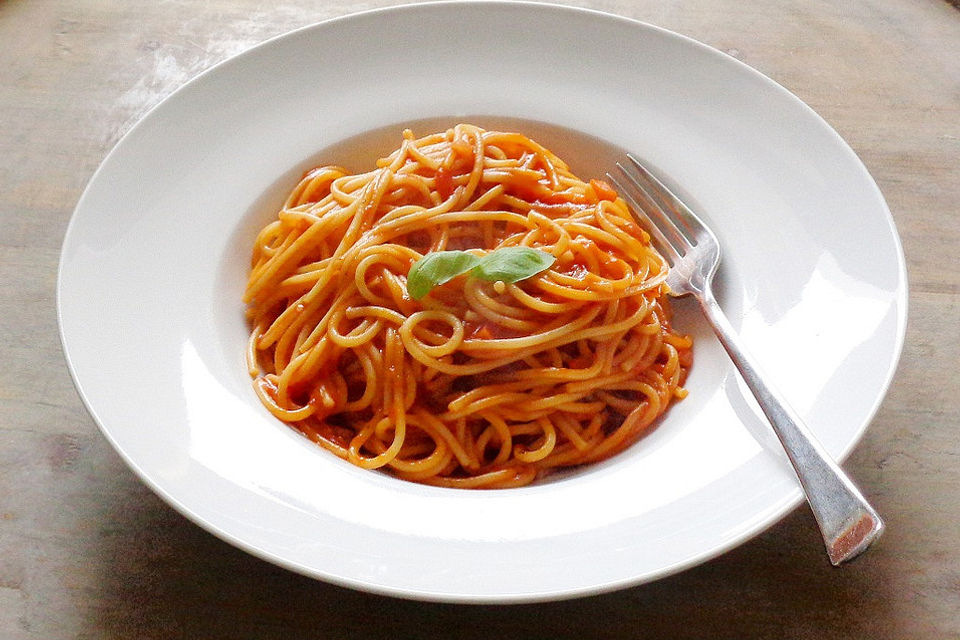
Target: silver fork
{"x":847,"y":522}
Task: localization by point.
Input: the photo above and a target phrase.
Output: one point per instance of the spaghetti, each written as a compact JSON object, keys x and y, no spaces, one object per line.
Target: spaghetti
{"x":478,"y":383}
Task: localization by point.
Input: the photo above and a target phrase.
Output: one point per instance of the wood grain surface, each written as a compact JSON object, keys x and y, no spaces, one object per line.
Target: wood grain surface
{"x":87,"y":551}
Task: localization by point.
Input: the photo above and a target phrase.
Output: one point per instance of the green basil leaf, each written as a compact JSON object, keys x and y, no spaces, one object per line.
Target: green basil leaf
{"x":512,"y":264}
{"x":436,"y":268}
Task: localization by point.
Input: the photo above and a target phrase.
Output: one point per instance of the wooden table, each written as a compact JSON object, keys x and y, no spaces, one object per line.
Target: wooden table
{"x":87,"y":551}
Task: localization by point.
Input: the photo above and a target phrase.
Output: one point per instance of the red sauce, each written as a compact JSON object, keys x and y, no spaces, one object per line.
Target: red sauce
{"x":604,"y":258}
{"x":339,"y":436}
{"x":462,"y":149}
{"x":576,"y":270}
{"x":484,"y":330}
{"x":451,"y":295}
{"x":443,"y":181}
{"x":603,"y":190}
{"x":298,"y":393}
{"x":581,"y":362}
{"x":636,"y":231}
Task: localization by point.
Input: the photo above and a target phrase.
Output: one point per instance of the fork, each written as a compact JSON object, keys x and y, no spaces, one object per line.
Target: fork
{"x":846,"y":520}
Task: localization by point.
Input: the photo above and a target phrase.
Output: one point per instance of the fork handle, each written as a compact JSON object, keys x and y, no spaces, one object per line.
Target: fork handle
{"x":847,"y":522}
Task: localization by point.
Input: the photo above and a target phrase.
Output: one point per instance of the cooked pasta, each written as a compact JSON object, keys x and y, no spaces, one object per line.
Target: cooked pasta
{"x":478,"y":384}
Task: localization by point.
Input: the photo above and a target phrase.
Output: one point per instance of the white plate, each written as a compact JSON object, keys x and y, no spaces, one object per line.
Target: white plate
{"x":155,"y":260}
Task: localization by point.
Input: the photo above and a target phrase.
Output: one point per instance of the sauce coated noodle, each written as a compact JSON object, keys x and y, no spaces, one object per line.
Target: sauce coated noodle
{"x":479,"y":384}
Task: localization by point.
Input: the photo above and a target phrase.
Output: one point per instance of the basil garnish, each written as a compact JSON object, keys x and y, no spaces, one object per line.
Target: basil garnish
{"x":434,"y":269}
{"x":509,"y":264}
{"x":512,"y":264}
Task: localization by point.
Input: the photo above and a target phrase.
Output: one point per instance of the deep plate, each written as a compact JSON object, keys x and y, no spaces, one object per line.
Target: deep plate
{"x":155,"y":260}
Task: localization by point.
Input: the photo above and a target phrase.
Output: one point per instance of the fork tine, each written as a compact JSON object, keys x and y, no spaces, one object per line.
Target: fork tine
{"x":681,"y":213}
{"x":667,"y":224}
{"x":664,"y":245}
